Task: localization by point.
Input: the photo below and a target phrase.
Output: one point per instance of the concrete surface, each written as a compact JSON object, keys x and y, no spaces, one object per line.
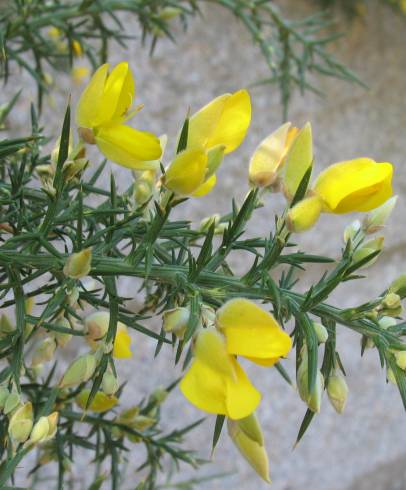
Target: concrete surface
{"x":365,"y":447}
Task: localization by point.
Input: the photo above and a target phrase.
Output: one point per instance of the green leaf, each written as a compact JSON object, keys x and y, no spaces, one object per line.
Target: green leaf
{"x":218,"y":426}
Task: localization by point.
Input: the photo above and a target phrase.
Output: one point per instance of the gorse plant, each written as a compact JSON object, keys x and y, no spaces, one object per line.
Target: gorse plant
{"x":66,"y":241}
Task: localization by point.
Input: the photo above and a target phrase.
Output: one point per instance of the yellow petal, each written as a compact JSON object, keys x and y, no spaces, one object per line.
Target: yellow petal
{"x":224,"y":121}
{"x":206,"y":187}
{"x":269,"y":156}
{"x":118,"y":93}
{"x":215,"y":382}
{"x":88,"y":109}
{"x":298,"y":160}
{"x":129,"y":147}
{"x":100,"y":403}
{"x":271,"y":361}
{"x":250,"y":331}
{"x":186,"y":172}
{"x":122,"y":343}
{"x":355,"y":185}
{"x":304,"y":214}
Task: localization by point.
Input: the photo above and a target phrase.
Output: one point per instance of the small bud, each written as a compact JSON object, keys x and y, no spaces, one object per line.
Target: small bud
{"x":386,"y":321}
{"x":253,"y":452}
{"x":176,"y":321}
{"x":368,"y":248}
{"x":144,"y":187}
{"x":142,"y":422}
{"x":96,"y":325}
{"x":321,"y":332}
{"x":21,"y":423}
{"x":6,"y":327}
{"x":159,"y":395}
{"x":100,"y":403}
{"x":62,"y":338}
{"x":304,"y":214}
{"x":44,"y":351}
{"x":78,"y":265}
{"x":39,"y":431}
{"x":391,"y":301}
{"x":398,"y":286}
{"x":351,"y":230}
{"x":313,"y":399}
{"x":110,"y":384}
{"x":73,"y":169}
{"x":376,"y":220}
{"x":337,"y":391}
{"x":80,"y":371}
{"x":168,"y":13}
{"x":12,"y":402}
{"x":72,"y":296}
{"x":401,"y":359}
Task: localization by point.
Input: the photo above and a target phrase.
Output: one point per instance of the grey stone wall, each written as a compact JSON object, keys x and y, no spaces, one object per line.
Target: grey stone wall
{"x":365,"y":447}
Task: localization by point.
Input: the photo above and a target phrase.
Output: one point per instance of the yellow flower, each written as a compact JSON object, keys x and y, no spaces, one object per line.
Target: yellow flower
{"x":97,"y":325}
{"x":215,"y":382}
{"x":100,"y":115}
{"x":252,"y":332}
{"x":269,"y":156}
{"x":223,"y":121}
{"x":79,"y":74}
{"x":215,"y":130}
{"x":355,"y":185}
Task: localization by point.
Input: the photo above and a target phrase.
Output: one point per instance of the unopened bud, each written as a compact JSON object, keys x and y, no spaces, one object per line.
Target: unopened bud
{"x":80,"y":371}
{"x":96,"y":325}
{"x":44,"y":351}
{"x":337,"y":391}
{"x":351,"y":230}
{"x":12,"y":402}
{"x":39,"y":431}
{"x":176,"y":321}
{"x":386,"y":322}
{"x":21,"y":422}
{"x":142,"y":422}
{"x":78,"y":265}
{"x":168,"y":13}
{"x":398,"y":286}
{"x":6,"y":326}
{"x":367,"y":249}
{"x":207,"y":222}
{"x":313,"y":399}
{"x":376,"y":220}
{"x":391,"y":301}
{"x":110,"y":384}
{"x":401,"y":359}
{"x":74,"y":168}
{"x":100,"y":403}
{"x":321,"y":332}
{"x":62,"y":338}
{"x":252,"y":451}
{"x":144,"y":187}
{"x":304,"y":214}
{"x":159,"y":395}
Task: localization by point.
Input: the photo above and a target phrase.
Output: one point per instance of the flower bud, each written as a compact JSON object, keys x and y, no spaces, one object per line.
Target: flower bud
{"x":73,"y":169}
{"x":6,"y":327}
{"x":401,"y":359}
{"x":386,"y":322}
{"x":168,"y":13}
{"x":304,"y":214}
{"x":207,"y":222}
{"x":144,"y":187}
{"x":376,"y":220}
{"x":80,"y":371}
{"x":176,"y":321}
{"x":72,"y":296}
{"x":313,"y":399}
{"x":337,"y":391}
{"x":142,"y":422}
{"x":391,"y":301}
{"x":40,"y":431}
{"x":100,"y":403}
{"x":78,"y":265}
{"x":96,"y":325}
{"x":4,"y":394}
{"x":110,"y":384}
{"x":12,"y":402}
{"x":21,"y":422}
{"x":62,"y":338}
{"x":159,"y":395}
{"x":368,"y":248}
{"x":321,"y":332}
{"x":398,"y":286}
{"x":252,"y":451}
{"x":351,"y":230}
{"x":44,"y":351}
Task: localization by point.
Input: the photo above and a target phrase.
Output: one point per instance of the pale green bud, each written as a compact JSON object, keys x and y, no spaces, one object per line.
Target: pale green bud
{"x":80,"y":371}
{"x":168,"y":13}
{"x":401,"y":359}
{"x":110,"y":383}
{"x":40,"y":431}
{"x":337,"y":391}
{"x":144,"y":187}
{"x":321,"y":332}
{"x":72,"y":296}
{"x":4,"y":394}
{"x":176,"y":320}
{"x":386,"y":321}
{"x":97,"y":324}
{"x":391,"y":301}
{"x":44,"y":351}
{"x":6,"y":326}
{"x":207,"y":222}
{"x":368,"y":248}
{"x":74,"y":168}
{"x":159,"y":395}
{"x":376,"y":220}
{"x":12,"y":402}
{"x":304,"y":215}
{"x":252,"y":428}
{"x":142,"y":422}
{"x":253,"y":452}
{"x":62,"y":338}
{"x":313,"y":399}
{"x":78,"y":265}
{"x":21,"y":422}
{"x":398,"y":286}
{"x":351,"y":230}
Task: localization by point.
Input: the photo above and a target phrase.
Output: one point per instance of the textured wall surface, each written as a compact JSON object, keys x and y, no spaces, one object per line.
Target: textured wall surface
{"x":365,"y":447}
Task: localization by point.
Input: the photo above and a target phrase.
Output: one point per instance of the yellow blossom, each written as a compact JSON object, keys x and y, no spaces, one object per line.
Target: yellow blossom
{"x":100,"y":403}
{"x":215,"y":382}
{"x":252,"y":332}
{"x":101,"y":112}
{"x":354,"y":185}
{"x":79,"y":74}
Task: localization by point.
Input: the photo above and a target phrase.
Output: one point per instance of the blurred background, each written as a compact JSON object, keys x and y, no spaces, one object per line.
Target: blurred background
{"x":365,"y":447}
